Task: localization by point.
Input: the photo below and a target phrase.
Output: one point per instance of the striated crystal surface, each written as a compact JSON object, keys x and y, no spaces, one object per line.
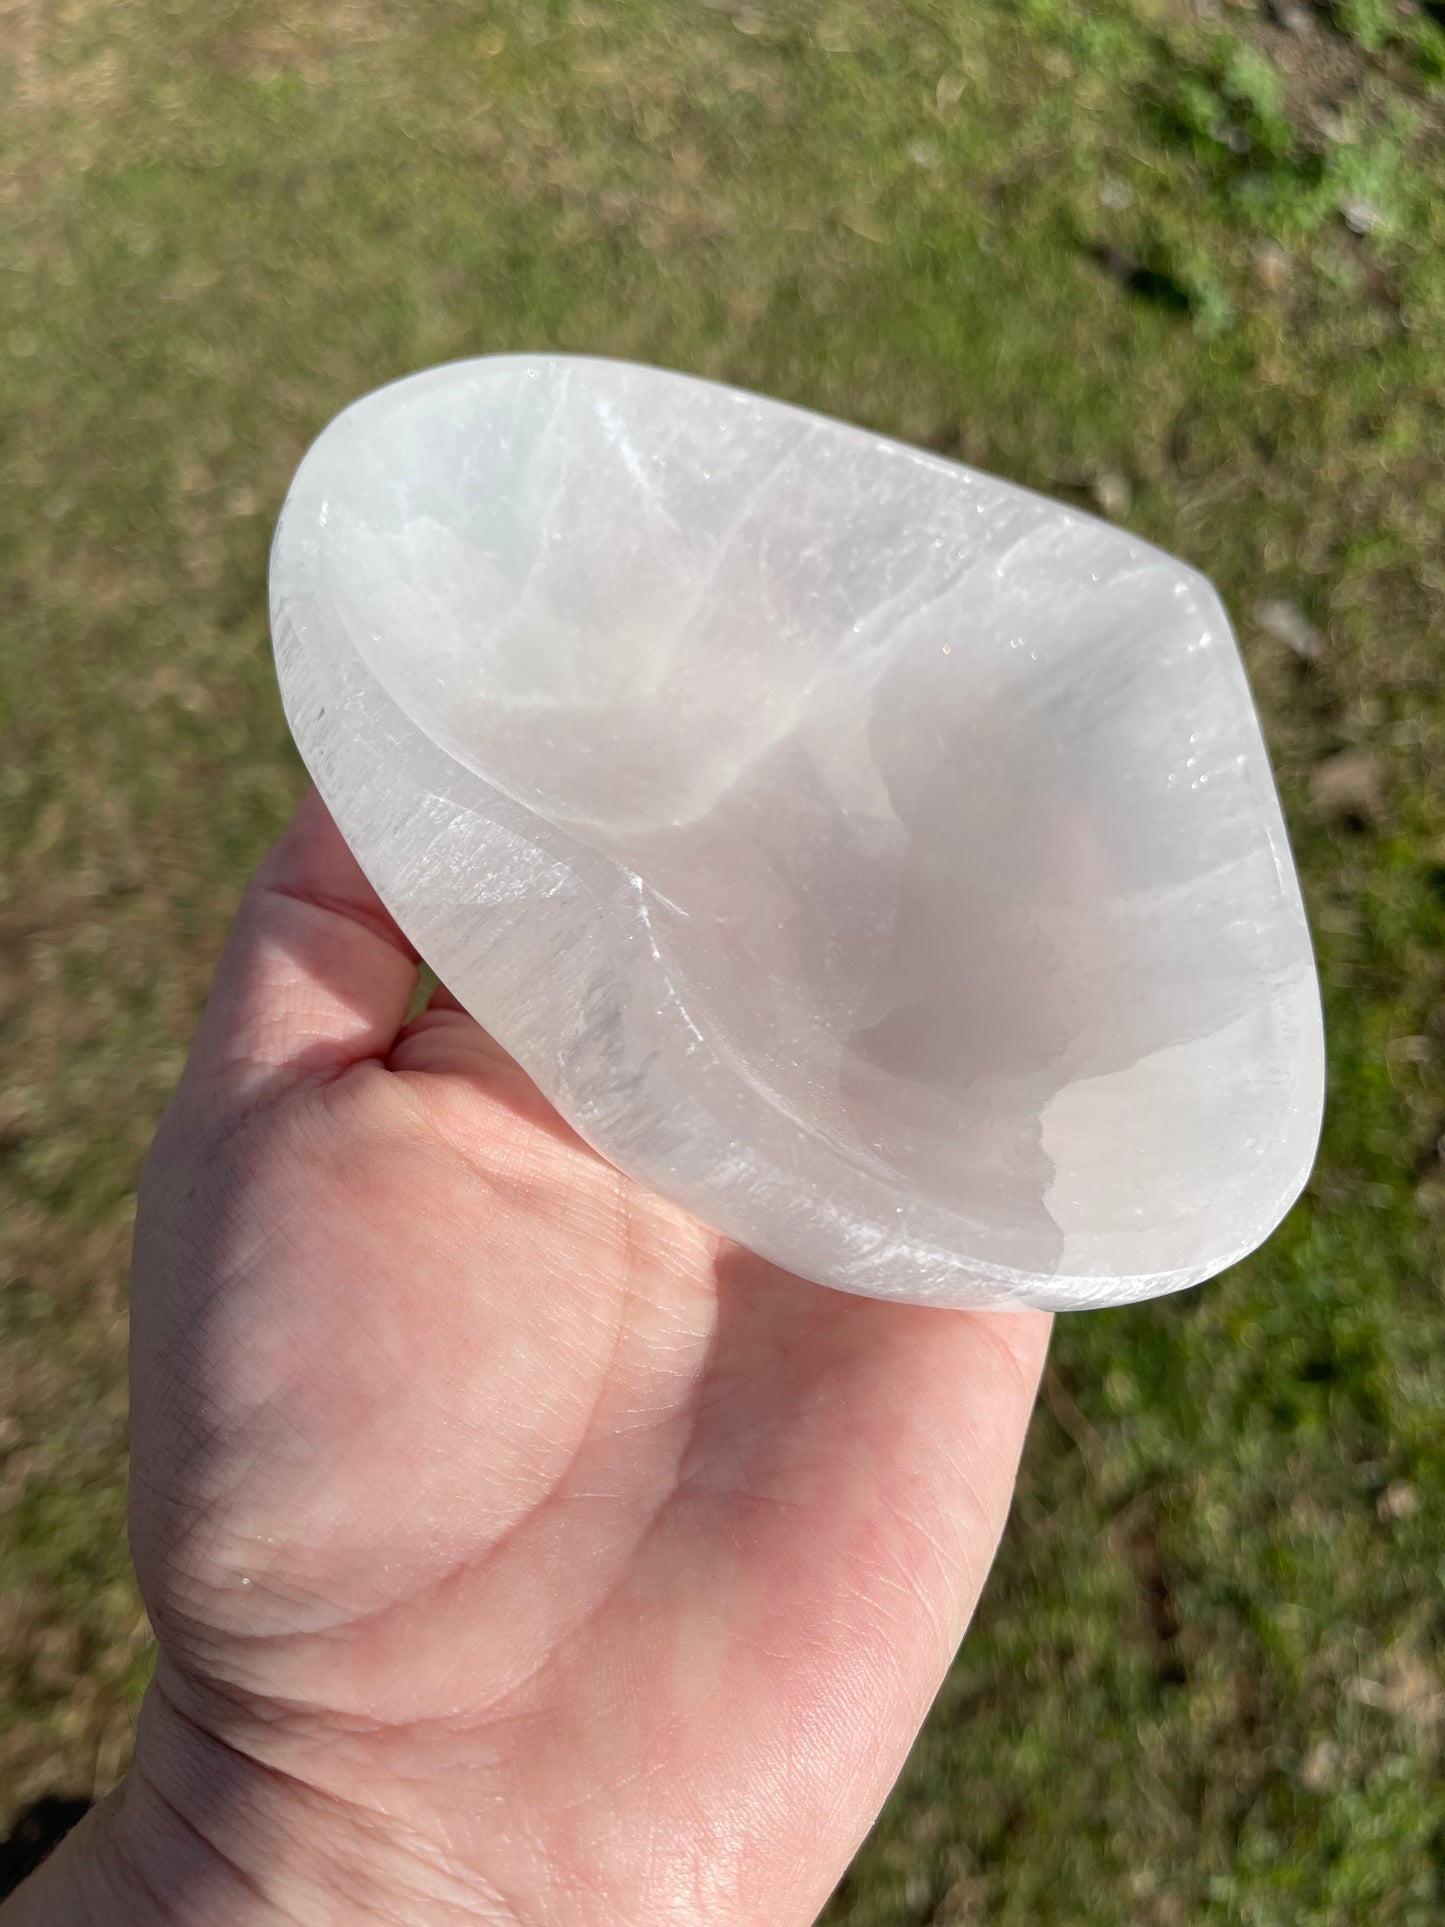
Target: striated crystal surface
{"x":876,"y":858}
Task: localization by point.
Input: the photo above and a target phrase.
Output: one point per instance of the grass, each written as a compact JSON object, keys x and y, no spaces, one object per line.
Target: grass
{"x":1189,"y":269}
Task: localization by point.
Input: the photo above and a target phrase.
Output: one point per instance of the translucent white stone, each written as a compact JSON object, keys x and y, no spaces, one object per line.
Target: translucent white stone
{"x":879,"y":860}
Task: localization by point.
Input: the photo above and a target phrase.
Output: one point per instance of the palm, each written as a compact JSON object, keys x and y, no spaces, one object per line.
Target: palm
{"x":479,"y":1488}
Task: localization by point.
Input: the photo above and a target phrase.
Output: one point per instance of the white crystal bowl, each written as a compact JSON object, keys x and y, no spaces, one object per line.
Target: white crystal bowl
{"x":877,"y":859}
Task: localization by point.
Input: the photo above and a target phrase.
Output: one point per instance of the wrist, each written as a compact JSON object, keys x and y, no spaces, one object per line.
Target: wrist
{"x":132,"y":1861}
{"x":201,"y":1835}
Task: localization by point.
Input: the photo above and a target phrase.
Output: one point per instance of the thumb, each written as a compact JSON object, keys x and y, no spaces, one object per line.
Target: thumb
{"x":315,"y":976}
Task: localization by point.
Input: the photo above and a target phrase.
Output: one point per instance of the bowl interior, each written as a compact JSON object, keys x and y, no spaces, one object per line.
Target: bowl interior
{"x":945,"y":808}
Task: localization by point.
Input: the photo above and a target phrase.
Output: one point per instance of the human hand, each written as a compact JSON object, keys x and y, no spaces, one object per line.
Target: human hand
{"x":519,"y":1550}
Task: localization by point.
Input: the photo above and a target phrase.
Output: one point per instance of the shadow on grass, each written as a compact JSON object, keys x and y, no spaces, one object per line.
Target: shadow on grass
{"x":38,"y":1830}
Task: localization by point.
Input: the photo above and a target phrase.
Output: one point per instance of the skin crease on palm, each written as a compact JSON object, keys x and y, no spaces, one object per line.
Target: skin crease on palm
{"x":519,"y":1550}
